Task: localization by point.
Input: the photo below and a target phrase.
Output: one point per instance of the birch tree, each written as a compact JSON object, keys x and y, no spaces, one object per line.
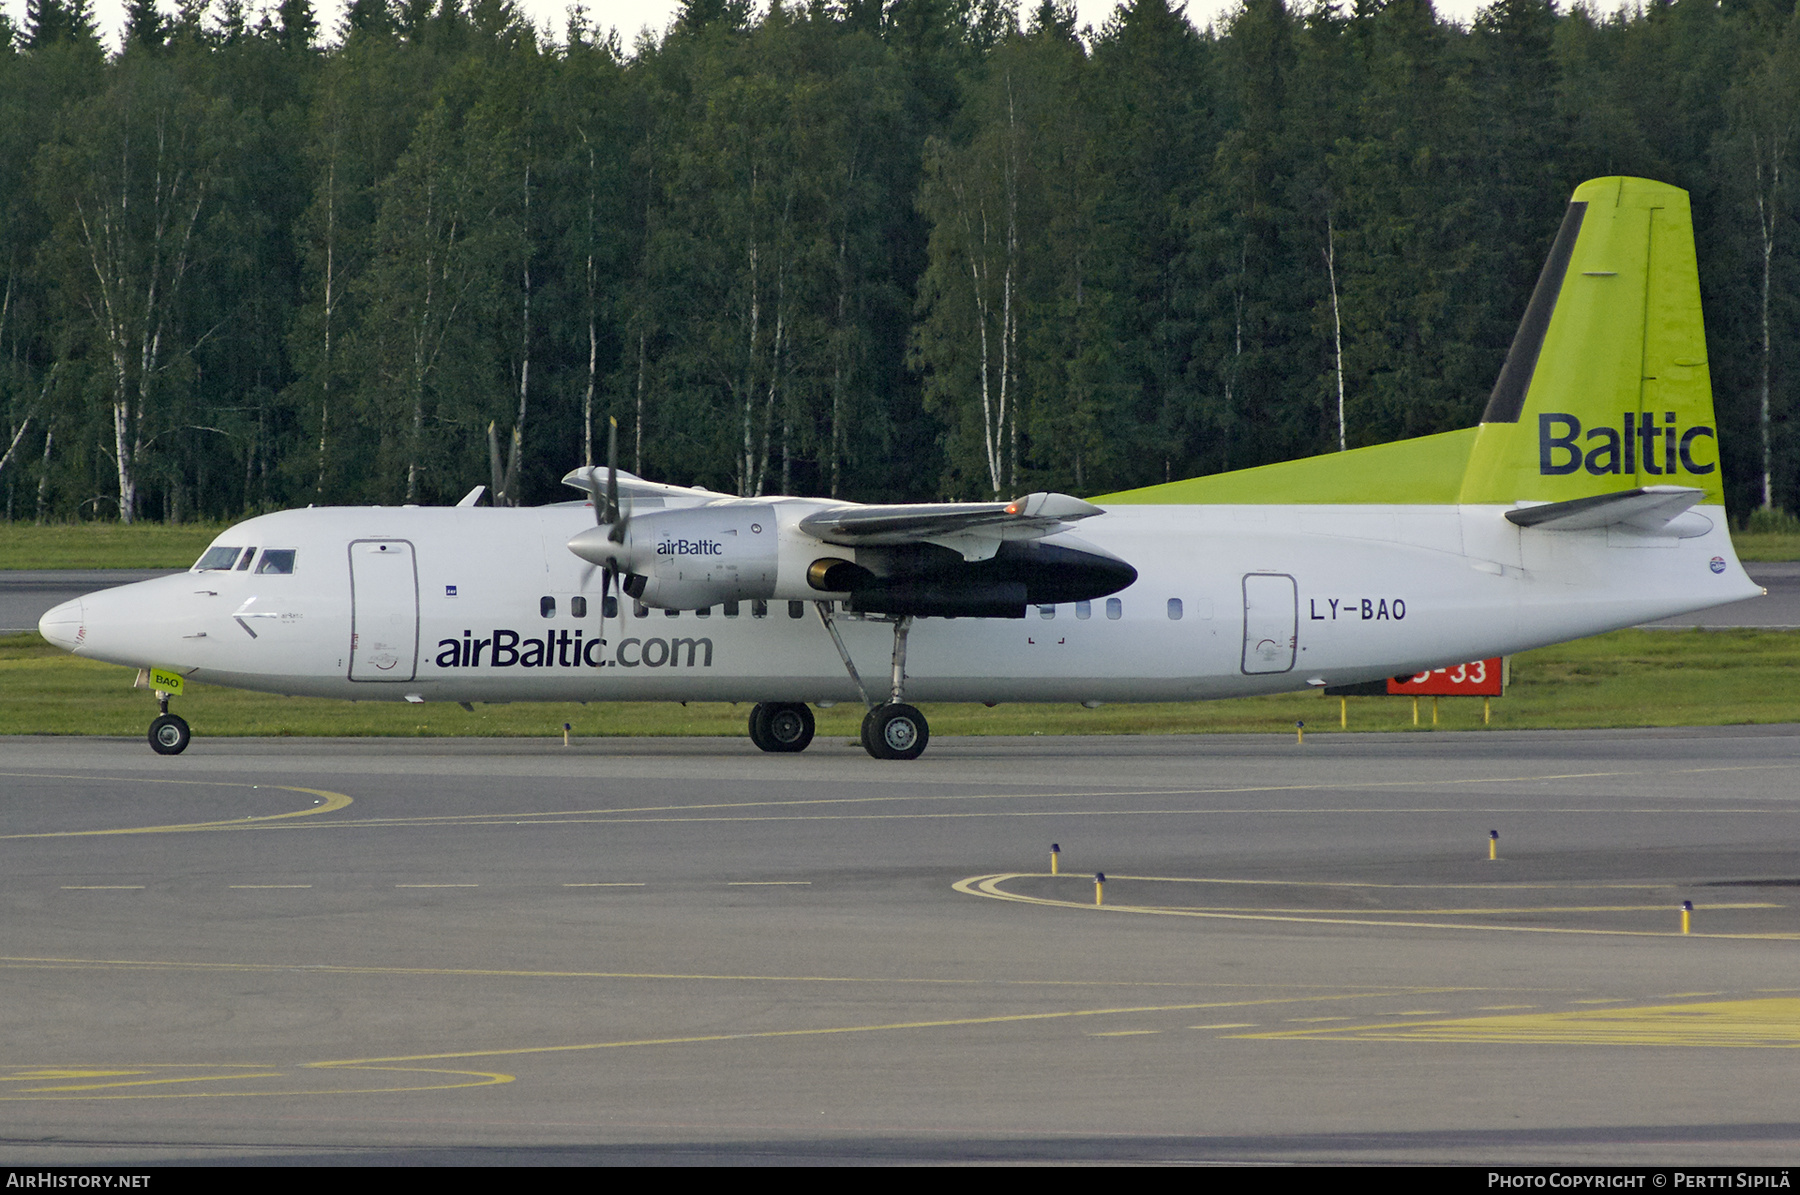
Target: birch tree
{"x":430,"y":292}
{"x":967,"y":341}
{"x":1765,"y":111}
{"x":131,"y":172}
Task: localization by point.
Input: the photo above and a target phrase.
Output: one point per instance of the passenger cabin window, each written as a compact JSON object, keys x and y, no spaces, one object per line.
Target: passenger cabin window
{"x":218,"y":558}
{"x":1046,"y":611}
{"x":249,"y":555}
{"x":578,"y":607}
{"x":1084,"y":610}
{"x":547,"y":607}
{"x":1174,"y":609}
{"x":759,"y":608}
{"x":703,"y":612}
{"x":639,"y":610}
{"x":731,"y":609}
{"x":796,"y":609}
{"x":1115,"y":609}
{"x":671,"y":613}
{"x":276,"y":561}
{"x":609,"y":607}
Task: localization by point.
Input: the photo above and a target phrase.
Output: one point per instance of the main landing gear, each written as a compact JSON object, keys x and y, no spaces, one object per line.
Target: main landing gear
{"x":781,"y":726}
{"x":169,"y":733}
{"x":893,"y":730}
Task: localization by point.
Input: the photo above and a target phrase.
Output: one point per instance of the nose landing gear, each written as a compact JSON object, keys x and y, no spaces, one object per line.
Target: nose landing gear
{"x":169,"y":733}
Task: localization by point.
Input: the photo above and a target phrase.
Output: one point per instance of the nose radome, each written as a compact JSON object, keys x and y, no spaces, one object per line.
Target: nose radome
{"x":64,"y":625}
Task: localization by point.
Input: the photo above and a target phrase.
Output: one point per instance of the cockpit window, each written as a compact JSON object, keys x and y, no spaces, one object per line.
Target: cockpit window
{"x":277,"y":560}
{"x":217,"y":557}
{"x":249,"y":555}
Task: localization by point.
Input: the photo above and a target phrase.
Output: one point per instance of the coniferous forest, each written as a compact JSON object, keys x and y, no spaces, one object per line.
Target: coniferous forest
{"x":878,"y":249}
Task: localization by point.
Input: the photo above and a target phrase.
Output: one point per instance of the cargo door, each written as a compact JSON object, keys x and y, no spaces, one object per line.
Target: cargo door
{"x":1271,"y":622}
{"x":384,"y":617}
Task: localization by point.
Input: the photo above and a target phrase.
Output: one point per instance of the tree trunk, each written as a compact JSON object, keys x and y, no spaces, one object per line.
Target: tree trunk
{"x":515,"y":461}
{"x":43,"y":485}
{"x":1337,"y":324}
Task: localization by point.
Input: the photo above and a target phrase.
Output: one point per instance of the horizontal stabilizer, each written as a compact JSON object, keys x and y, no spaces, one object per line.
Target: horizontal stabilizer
{"x":1649,"y":509}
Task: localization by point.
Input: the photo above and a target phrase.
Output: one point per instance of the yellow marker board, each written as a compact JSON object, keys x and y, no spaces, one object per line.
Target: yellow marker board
{"x":165,"y":681}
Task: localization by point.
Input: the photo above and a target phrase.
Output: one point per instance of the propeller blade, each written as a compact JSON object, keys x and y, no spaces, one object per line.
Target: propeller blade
{"x":606,"y":595}
{"x":593,"y":489}
{"x":612,"y":474}
{"x":618,"y":515}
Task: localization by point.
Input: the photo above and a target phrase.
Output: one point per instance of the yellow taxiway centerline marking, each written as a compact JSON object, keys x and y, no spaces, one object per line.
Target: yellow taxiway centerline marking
{"x":989,"y":886}
{"x":329,"y":802}
{"x":1523,"y":909}
{"x":437,"y":885}
{"x":103,"y":887}
{"x":1766,"y":1023}
{"x":885,"y":980}
{"x":1500,"y":886}
{"x":341,"y":824}
{"x":476,"y":1079}
{"x":615,"y":884}
{"x":260,"y":886}
{"x":153,"y":1082}
{"x":1089,"y":794}
{"x":1458,"y":811}
{"x":768,"y":883}
{"x":334,"y":801}
{"x":957,"y":1022}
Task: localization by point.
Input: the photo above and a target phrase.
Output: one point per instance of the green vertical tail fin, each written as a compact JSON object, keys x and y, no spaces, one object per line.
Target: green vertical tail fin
{"x":1606,"y":386}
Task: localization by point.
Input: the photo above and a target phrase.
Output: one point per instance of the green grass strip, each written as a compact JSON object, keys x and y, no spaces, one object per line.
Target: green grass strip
{"x":104,"y":545}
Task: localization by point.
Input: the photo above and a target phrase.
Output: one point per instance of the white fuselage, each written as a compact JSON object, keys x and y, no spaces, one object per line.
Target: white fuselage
{"x":474,"y":604}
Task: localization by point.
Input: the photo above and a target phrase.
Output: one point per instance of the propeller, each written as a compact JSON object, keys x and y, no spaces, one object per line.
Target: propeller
{"x":609,"y":514}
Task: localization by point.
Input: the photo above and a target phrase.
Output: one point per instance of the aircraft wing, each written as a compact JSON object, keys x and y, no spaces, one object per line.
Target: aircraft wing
{"x":633,"y":486}
{"x":975,"y":529}
{"x":1650,"y":508}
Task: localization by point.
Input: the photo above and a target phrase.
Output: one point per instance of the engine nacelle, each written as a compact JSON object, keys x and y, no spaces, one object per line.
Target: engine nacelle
{"x":696,"y":557}
{"x":692,"y":558}
{"x":930,"y":581}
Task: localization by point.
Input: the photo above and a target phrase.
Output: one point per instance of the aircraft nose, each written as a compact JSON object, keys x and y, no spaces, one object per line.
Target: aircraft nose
{"x":64,"y":625}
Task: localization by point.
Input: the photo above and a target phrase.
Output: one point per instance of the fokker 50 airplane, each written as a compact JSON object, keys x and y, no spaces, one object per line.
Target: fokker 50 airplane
{"x":1587,"y":499}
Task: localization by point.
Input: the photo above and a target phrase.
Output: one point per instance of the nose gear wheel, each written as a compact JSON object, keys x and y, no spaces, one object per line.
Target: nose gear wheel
{"x":169,"y":734}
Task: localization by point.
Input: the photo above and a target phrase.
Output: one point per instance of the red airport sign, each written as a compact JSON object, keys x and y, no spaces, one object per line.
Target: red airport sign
{"x":1478,"y":678}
